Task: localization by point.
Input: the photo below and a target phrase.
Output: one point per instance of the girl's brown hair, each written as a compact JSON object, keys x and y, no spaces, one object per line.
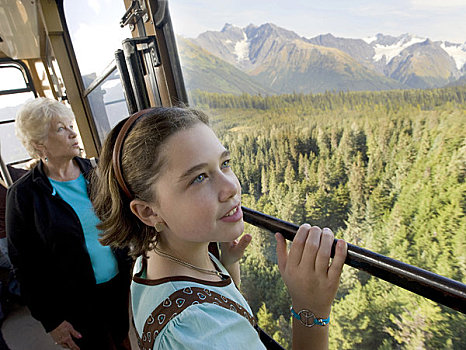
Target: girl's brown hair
{"x":142,"y":159}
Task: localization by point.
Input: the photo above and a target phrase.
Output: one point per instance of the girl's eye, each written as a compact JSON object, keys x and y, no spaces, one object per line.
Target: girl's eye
{"x":200,"y":178}
{"x":60,"y":128}
{"x":226,"y":164}
{"x":71,"y":127}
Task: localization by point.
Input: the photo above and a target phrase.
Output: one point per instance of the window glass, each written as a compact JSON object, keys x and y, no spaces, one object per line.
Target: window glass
{"x":9,"y":104}
{"x":11,"y":78}
{"x":96,"y":34}
{"x":95,"y":31}
{"x":343,"y":114}
{"x":108,"y":103}
{"x":11,"y":148}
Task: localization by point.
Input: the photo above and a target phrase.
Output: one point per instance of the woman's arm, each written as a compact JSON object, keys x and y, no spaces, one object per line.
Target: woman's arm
{"x":31,"y":262}
{"x":312,"y":280}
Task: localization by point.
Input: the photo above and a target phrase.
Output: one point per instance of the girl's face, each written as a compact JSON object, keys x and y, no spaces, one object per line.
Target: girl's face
{"x":198,"y":196}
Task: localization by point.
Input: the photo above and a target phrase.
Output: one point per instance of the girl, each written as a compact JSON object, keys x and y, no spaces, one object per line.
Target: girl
{"x":166,"y":189}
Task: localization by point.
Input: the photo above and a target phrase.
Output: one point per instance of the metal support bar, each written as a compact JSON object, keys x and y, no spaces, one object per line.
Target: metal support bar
{"x":166,"y":37}
{"x":152,"y":61}
{"x":9,"y":63}
{"x":14,"y":91}
{"x":437,"y":288}
{"x":4,"y":171}
{"x":97,"y":81}
{"x":136,"y":73}
{"x":141,"y":64}
{"x":125,"y":81}
{"x":268,"y":341}
{"x":175,"y":67}
{"x":21,"y":161}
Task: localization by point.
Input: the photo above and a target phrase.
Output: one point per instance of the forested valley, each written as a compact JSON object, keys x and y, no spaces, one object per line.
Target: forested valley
{"x":385,"y":171}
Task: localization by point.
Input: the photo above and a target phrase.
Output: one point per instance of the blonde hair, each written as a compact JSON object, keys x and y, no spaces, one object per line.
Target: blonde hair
{"x":33,"y":121}
{"x":142,"y":160}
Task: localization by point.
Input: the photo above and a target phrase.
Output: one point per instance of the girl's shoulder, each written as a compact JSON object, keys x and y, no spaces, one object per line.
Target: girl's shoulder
{"x":191,"y":314}
{"x":147,"y":295}
{"x":208,"y":326}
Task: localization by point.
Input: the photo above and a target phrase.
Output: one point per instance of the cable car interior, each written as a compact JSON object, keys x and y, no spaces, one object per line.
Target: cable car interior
{"x":39,"y":58}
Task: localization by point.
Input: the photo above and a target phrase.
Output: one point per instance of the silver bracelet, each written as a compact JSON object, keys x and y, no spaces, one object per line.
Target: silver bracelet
{"x":308,"y":319}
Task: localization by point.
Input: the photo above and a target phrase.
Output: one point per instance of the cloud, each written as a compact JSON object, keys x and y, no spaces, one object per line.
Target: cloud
{"x":85,"y":41}
{"x":435,"y":19}
{"x":436,"y":4}
{"x":94,"y":5}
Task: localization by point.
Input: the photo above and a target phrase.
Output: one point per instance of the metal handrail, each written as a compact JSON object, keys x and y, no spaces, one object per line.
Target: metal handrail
{"x":97,"y":81}
{"x":435,"y":287}
{"x":4,"y":171}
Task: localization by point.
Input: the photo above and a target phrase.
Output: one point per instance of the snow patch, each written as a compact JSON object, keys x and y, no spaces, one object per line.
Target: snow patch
{"x":370,"y":39}
{"x":242,"y":49}
{"x":390,"y":51}
{"x":457,"y":52}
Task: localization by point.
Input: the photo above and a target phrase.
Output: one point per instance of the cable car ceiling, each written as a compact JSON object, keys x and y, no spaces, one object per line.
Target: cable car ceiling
{"x":20,"y":31}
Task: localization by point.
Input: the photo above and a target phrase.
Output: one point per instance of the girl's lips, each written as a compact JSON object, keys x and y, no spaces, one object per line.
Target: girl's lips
{"x":238,"y":215}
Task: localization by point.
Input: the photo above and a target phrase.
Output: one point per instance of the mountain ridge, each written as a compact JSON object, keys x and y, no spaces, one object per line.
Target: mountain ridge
{"x":282,"y":61}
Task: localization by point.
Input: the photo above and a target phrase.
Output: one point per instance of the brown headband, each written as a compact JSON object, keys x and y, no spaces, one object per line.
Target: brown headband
{"x":117,"y":148}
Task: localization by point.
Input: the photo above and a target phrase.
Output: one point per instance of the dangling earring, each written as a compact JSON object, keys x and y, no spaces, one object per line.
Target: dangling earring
{"x":159,"y":227}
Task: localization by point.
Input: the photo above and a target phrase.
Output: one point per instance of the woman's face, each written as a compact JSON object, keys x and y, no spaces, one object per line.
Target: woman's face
{"x":61,"y":140}
{"x":197,"y":194}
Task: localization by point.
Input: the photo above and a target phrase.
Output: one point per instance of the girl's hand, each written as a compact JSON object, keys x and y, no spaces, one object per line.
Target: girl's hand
{"x":311,"y":279}
{"x":232,"y":252}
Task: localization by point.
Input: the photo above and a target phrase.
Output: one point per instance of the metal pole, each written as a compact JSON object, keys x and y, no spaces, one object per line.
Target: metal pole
{"x":440,"y":289}
{"x":4,"y":171}
{"x":126,"y":82}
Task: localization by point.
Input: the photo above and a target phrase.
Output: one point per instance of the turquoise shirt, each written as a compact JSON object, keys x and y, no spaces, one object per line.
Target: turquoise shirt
{"x":74,"y":192}
{"x":200,"y":326}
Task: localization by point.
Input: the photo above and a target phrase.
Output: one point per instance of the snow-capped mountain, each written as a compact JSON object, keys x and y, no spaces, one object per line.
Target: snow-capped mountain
{"x":387,"y":47}
{"x":457,"y":52}
{"x":284,"y":61}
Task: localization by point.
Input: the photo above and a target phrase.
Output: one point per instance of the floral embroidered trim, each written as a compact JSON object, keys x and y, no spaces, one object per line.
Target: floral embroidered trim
{"x":179,"y":301}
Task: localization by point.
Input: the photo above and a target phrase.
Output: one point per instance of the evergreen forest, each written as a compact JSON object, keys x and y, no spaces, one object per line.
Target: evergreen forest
{"x":385,"y":171}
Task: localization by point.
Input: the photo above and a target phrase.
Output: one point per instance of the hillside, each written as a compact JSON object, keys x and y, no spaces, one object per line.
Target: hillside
{"x":206,"y":72}
{"x":384,"y":170}
{"x":423,"y":65}
{"x":302,"y":67}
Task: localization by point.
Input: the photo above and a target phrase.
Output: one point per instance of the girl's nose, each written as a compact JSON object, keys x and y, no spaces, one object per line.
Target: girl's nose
{"x":229,"y":187}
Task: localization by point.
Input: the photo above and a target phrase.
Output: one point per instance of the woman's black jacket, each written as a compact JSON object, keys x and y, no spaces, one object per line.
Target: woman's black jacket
{"x":48,"y":250}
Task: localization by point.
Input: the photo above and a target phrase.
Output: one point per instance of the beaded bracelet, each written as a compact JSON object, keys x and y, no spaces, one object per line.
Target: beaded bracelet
{"x":308,"y":319}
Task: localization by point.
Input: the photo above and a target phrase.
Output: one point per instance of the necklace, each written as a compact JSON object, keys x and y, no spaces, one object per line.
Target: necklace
{"x":186,"y":264}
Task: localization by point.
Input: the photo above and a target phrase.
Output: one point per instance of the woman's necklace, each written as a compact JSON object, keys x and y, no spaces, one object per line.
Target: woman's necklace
{"x":186,"y":264}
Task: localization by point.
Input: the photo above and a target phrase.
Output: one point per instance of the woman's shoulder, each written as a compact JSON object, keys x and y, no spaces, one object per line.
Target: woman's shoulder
{"x":22,"y":186}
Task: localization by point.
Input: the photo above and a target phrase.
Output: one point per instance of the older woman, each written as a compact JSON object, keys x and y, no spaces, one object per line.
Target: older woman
{"x":73,"y":285}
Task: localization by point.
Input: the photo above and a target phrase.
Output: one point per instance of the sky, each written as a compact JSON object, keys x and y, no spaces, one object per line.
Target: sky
{"x":434,"y":19}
